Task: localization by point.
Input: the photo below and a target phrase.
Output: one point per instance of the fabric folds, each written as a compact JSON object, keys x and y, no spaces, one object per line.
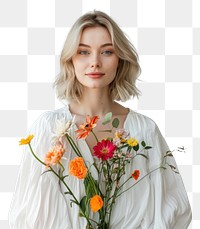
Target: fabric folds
{"x":157,"y":202}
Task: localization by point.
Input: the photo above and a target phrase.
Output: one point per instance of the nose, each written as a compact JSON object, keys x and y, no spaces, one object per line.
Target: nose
{"x":95,"y":61}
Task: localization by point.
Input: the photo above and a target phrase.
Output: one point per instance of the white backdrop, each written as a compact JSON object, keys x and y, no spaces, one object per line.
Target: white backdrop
{"x":166,"y":34}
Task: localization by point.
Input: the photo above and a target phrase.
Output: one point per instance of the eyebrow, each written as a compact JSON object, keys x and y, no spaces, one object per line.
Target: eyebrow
{"x":88,"y":46}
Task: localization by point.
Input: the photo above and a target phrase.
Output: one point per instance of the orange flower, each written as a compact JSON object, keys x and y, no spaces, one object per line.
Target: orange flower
{"x":85,"y":128}
{"x":54,"y":155}
{"x":96,"y":203}
{"x":26,"y":141}
{"x":77,"y":168}
{"x":136,"y":174}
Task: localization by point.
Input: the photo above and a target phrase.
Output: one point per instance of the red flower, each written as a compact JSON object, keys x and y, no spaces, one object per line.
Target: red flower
{"x":85,"y":128}
{"x":136,"y":174}
{"x":104,"y":149}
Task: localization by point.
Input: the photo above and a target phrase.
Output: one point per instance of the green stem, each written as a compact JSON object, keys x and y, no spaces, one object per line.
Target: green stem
{"x":73,"y":145}
{"x":114,"y":194}
{"x":63,"y":169}
{"x":137,"y":181}
{"x":111,"y":205}
{"x":35,"y":155}
{"x":95,"y":136}
{"x":62,"y":180}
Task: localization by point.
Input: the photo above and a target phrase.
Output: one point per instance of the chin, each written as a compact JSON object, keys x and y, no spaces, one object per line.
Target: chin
{"x":96,"y":86}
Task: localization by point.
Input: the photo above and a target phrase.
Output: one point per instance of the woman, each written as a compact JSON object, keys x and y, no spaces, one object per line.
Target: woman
{"x":98,"y":66}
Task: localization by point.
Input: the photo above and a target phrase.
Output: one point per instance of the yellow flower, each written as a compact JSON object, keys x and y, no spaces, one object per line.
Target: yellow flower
{"x":132,"y":142}
{"x":26,"y":141}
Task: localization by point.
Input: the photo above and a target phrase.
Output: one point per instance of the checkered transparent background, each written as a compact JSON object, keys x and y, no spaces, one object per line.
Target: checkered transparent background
{"x":166,"y":34}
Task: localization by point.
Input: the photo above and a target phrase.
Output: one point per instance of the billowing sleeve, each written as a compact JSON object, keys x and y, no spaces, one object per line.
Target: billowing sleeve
{"x":171,"y":206}
{"x":38,"y":202}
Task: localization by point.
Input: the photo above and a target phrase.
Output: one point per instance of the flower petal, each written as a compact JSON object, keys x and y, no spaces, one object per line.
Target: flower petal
{"x":26,"y":141}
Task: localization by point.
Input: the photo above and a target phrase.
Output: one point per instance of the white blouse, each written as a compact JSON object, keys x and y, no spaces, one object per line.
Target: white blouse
{"x":157,"y":202}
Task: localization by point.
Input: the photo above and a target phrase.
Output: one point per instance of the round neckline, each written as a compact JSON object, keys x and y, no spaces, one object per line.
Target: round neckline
{"x":125,"y":120}
{"x":125,"y":127}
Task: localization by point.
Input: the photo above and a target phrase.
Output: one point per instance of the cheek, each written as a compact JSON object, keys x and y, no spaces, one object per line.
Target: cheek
{"x":113,"y":67}
{"x":115,"y":63}
{"x":79,"y":65}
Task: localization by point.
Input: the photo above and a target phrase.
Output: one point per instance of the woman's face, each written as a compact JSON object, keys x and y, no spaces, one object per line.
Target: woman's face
{"x":95,"y":62}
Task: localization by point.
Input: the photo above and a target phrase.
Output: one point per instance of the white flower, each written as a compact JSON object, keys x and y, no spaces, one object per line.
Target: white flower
{"x":117,"y":142}
{"x":61,"y":128}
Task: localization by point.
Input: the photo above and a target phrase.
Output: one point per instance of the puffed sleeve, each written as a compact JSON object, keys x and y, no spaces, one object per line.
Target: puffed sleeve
{"x":38,"y":202}
{"x":171,"y":206}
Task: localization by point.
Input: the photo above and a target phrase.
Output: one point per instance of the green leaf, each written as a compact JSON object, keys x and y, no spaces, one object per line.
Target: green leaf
{"x":163,"y":167}
{"x":72,"y":201}
{"x":129,"y":148}
{"x":125,"y":145}
{"x":83,"y":204}
{"x":46,"y":172}
{"x":81,"y":214}
{"x":65,"y":177}
{"x":143,"y":155}
{"x":168,"y":152}
{"x":136,"y":148}
{"x":105,"y":131}
{"x":115,"y":122}
{"x":67,"y":193}
{"x":147,"y":147}
{"x":143,"y":143}
{"x":181,"y":149}
{"x":172,"y":167}
{"x":90,"y":187}
{"x":170,"y":155}
{"x":107,"y":118}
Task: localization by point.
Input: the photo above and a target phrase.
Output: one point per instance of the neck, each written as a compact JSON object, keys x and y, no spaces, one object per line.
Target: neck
{"x":93,"y":102}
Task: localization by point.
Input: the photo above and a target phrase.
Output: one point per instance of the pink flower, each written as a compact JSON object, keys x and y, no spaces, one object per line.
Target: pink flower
{"x":104,"y":150}
{"x":120,"y":137}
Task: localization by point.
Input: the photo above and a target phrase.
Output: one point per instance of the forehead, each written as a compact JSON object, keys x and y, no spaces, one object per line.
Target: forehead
{"x":95,"y":35}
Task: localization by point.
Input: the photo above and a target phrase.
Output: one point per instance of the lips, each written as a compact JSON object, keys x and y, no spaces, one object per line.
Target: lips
{"x":95,"y":74}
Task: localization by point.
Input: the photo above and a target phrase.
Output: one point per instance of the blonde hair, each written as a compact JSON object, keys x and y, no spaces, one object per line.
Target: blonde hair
{"x":123,"y":87}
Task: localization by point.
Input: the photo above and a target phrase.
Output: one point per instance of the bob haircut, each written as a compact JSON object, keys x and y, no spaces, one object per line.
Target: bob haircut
{"x":123,"y":87}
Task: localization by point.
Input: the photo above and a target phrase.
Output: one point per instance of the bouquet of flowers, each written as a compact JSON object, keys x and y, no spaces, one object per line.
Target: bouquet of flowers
{"x":112,"y":155}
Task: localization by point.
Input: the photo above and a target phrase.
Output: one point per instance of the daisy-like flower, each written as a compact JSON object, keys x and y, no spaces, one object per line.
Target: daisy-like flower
{"x":135,"y":174}
{"x":61,"y":128}
{"x":132,"y":142}
{"x":54,"y":155}
{"x":104,"y":150}
{"x":85,"y":128}
{"x":26,"y":141}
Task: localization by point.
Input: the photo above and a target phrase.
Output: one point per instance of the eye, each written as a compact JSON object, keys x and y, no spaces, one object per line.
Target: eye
{"x":107,"y":52}
{"x":83,"y":52}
